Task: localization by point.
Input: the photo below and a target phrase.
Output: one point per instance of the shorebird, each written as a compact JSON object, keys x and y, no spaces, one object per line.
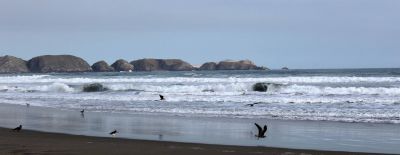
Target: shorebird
{"x":161,"y":97}
{"x":252,"y":104}
{"x":83,"y":113}
{"x":17,"y":128}
{"x":27,"y":105}
{"x":261,"y":131}
{"x":113,"y":133}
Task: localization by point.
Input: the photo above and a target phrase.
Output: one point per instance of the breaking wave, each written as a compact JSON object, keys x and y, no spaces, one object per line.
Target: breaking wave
{"x":299,"y":97}
{"x":210,"y":88}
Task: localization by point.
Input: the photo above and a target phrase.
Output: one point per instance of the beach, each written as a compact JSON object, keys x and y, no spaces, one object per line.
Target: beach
{"x":34,"y":142}
{"x":59,"y":130}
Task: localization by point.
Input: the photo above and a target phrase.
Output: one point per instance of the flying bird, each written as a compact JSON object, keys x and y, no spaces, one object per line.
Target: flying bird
{"x":252,"y":104}
{"x":17,"y":128}
{"x":261,"y":131}
{"x":161,"y":97}
{"x":113,"y":133}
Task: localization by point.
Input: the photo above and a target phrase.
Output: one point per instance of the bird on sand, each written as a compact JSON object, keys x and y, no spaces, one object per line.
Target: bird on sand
{"x":261,"y":131}
{"x":113,"y":133}
{"x":161,"y":97}
{"x":17,"y":129}
{"x":83,"y":113}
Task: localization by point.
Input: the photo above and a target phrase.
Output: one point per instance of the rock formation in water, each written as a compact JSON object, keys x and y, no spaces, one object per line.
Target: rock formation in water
{"x":161,"y":65}
{"x":122,"y":65}
{"x":236,"y":65}
{"x":261,"y":87}
{"x":208,"y":66}
{"x":102,"y":66}
{"x":69,"y":63}
{"x":10,"y":64}
{"x":58,"y":63}
{"x":94,"y":87}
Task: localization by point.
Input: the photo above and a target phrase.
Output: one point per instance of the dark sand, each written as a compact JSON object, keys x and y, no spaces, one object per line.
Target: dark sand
{"x":34,"y":142}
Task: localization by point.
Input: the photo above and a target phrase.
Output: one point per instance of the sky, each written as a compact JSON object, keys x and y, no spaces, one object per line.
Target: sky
{"x":272,"y":33}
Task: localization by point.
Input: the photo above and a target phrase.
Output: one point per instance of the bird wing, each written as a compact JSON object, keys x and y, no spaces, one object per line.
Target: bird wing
{"x":259,"y":129}
{"x":17,"y":128}
{"x":264,"y":130}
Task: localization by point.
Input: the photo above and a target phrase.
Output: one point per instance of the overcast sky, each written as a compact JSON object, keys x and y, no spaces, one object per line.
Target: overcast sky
{"x":273,"y":33}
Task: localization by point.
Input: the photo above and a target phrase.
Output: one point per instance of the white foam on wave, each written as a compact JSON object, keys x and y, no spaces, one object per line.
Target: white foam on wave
{"x":239,"y":88}
{"x":53,"y":87}
{"x":318,"y":90}
{"x":363,"y":113}
{"x":210,"y":88}
{"x":214,"y":97}
{"x":167,"y":88}
{"x":295,"y":98}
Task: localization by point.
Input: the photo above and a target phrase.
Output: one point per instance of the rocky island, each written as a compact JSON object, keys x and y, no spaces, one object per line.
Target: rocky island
{"x":70,"y":63}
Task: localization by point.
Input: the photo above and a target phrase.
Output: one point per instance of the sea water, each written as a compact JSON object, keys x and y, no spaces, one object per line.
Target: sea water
{"x":345,"y":95}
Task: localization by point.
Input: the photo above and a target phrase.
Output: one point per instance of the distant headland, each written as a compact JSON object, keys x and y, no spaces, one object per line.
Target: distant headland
{"x":70,"y":63}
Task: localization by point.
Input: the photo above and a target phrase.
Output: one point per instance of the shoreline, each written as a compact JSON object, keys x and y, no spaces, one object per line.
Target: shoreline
{"x":307,"y":135}
{"x":303,"y":135}
{"x":37,"y":142}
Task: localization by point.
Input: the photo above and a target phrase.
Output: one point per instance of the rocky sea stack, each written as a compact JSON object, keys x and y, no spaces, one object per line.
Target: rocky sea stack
{"x":10,"y":64}
{"x":161,"y":65}
{"x":236,"y":65}
{"x":208,"y":66}
{"x":102,"y":66}
{"x":94,"y":87}
{"x":122,"y":65}
{"x":58,"y":63}
{"x":70,"y":63}
{"x":260,"y":87}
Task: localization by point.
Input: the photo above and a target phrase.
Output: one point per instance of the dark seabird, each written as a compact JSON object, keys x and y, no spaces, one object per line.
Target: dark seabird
{"x":113,"y":133}
{"x":252,"y":104}
{"x":17,"y":128}
{"x":161,"y":97}
{"x":261,"y":132}
{"x":83,"y":113}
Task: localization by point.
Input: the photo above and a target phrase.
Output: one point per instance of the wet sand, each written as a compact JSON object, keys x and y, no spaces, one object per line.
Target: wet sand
{"x":164,"y":130}
{"x":34,"y":142}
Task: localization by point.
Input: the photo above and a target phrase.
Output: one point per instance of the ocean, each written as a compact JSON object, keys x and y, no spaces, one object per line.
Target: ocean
{"x":341,"y":95}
